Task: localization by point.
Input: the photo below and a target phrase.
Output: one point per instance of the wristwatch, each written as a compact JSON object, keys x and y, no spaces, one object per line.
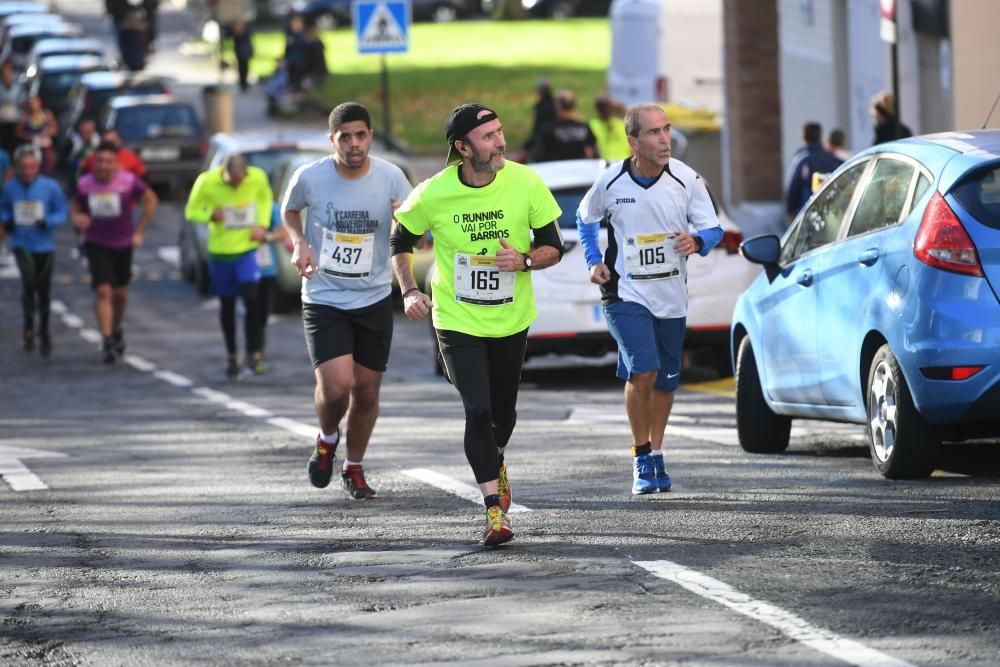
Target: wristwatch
{"x":527,"y":261}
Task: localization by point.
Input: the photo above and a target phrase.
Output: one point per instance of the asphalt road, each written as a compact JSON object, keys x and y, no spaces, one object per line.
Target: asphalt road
{"x":152,"y":513}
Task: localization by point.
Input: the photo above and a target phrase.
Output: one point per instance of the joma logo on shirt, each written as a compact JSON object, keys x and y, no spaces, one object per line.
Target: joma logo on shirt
{"x":625,"y":200}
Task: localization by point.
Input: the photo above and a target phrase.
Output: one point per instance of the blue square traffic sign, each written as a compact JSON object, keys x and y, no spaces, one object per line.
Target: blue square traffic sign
{"x":382,"y":26}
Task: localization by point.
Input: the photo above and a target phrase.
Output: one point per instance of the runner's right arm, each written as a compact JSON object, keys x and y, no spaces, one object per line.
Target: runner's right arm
{"x":416,"y":304}
{"x":198,"y":208}
{"x":296,"y":198}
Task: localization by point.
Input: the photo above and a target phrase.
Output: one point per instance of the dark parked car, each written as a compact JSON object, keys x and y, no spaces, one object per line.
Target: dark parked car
{"x":165,"y":133}
{"x":564,"y":9}
{"x":94,"y":90}
{"x":56,"y":76}
{"x":331,"y":13}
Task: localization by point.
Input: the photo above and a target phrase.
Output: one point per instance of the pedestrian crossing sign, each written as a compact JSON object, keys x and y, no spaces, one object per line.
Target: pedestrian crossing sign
{"x":382,"y":26}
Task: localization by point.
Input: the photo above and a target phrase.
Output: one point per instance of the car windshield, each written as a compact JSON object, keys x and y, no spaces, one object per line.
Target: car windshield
{"x":269,"y":159}
{"x":979,"y":194}
{"x":23,"y":45}
{"x":99,"y":97}
{"x":54,"y":88}
{"x":157,"y":121}
{"x":569,"y":200}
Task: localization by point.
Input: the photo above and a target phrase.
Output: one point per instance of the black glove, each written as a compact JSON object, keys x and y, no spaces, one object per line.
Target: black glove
{"x":41,"y":225}
{"x":9,"y":226}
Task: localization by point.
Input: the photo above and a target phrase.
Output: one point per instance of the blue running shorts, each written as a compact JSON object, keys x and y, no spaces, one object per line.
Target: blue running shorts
{"x":647,"y":343}
{"x":228,"y":274}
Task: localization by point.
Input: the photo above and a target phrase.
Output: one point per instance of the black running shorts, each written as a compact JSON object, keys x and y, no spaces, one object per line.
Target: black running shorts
{"x":365,"y":333}
{"x":109,"y":266}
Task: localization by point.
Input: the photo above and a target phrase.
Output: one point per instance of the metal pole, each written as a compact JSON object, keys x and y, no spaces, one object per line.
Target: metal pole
{"x":386,"y":122}
{"x":895,"y":66}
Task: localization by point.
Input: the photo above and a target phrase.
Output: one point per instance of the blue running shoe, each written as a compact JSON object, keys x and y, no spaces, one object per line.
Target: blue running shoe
{"x":643,"y":476}
{"x":662,"y":478}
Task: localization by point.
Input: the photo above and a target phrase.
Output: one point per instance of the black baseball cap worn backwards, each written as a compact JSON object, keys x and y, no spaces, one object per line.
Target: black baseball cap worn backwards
{"x":462,"y":120}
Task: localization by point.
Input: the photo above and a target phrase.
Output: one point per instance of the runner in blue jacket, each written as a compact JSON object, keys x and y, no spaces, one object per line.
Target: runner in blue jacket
{"x":31,"y":206}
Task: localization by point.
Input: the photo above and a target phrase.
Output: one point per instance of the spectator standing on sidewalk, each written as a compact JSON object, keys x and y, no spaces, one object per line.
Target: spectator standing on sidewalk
{"x":567,"y":137}
{"x":243,"y":50}
{"x":811,"y":159}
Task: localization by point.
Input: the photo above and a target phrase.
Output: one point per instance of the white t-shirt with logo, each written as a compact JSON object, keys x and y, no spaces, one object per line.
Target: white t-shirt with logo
{"x":643,"y":223}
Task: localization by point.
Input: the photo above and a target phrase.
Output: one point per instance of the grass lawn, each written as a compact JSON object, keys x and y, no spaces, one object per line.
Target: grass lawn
{"x":497,"y":63}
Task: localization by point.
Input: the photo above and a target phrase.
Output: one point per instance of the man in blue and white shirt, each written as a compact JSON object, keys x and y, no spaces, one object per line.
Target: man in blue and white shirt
{"x":31,"y":206}
{"x":651,"y":202}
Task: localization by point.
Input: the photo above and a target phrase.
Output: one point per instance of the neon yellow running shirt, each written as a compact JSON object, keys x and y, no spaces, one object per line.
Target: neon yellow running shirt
{"x":467,"y":224}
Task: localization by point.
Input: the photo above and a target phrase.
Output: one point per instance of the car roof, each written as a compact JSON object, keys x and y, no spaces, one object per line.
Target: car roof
{"x":560,"y":174}
{"x":12,"y":20}
{"x":118,"y":79}
{"x":66,"y":44}
{"x":23,"y":7}
{"x":258,"y":140}
{"x":126,"y":101}
{"x":70,"y":63}
{"x":26,"y":29}
{"x":974,"y":141}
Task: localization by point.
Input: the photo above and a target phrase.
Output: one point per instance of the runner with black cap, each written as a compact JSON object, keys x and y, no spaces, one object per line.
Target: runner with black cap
{"x":493,"y":222}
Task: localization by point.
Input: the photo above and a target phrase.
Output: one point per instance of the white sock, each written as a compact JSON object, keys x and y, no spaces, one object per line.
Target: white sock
{"x":350,"y":463}
{"x":330,"y":439}
{"x":657,"y":452}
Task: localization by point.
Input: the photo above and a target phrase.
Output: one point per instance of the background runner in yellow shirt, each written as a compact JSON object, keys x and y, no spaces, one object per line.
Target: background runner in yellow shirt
{"x":234,"y":200}
{"x":492,"y":221}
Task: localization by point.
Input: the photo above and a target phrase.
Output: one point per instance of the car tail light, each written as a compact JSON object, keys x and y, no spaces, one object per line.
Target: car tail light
{"x":731,"y":242}
{"x":202,"y":148}
{"x":661,"y":89}
{"x":950,"y":372}
{"x":942,"y":241}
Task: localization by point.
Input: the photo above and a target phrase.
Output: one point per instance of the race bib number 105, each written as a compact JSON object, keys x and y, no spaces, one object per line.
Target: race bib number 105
{"x":651,"y":257}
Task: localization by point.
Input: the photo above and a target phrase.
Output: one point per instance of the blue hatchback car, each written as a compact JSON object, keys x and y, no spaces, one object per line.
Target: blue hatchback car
{"x":881,"y":305}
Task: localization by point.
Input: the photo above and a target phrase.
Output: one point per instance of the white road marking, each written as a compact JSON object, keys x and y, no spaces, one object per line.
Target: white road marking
{"x":16,"y":474}
{"x":91,"y":335}
{"x":212,"y":395}
{"x":249,"y":409}
{"x":72,"y":321}
{"x":296,"y":427}
{"x":57,"y":307}
{"x":170,"y":254}
{"x":794,"y":627}
{"x":173,"y":378}
{"x":460,"y":489}
{"x":140,"y":364}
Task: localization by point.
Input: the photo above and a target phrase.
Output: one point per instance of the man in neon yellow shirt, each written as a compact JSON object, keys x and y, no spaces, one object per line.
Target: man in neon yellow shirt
{"x":609,"y":129}
{"x":234,"y":200}
{"x":493,"y":222}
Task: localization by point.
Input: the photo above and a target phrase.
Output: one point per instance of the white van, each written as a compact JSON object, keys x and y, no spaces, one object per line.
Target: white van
{"x":667,"y":51}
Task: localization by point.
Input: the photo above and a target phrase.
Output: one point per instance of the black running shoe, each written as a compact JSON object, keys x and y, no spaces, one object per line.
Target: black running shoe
{"x":233,"y":371}
{"x":320,"y":466}
{"x":354,"y":483}
{"x":108,"y":351}
{"x":44,"y":345}
{"x":118,"y":341}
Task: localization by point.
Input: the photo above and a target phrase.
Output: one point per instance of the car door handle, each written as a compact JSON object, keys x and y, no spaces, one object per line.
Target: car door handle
{"x":806,"y":279}
{"x":869,"y":257}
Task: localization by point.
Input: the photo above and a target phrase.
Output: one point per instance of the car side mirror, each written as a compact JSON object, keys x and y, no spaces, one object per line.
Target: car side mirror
{"x":764,"y":250}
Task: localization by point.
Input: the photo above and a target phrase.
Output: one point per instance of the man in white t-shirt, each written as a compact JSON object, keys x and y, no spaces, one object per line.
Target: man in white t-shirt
{"x":651,"y":202}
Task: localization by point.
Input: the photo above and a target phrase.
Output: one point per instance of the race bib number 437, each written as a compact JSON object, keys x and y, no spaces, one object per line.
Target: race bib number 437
{"x":347,"y":255}
{"x":478,"y":281}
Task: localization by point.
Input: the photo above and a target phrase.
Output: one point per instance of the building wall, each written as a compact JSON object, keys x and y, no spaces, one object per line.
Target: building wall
{"x":976,"y":62}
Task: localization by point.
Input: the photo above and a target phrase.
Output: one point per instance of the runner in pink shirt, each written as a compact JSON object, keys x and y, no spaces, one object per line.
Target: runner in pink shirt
{"x":102,"y":208}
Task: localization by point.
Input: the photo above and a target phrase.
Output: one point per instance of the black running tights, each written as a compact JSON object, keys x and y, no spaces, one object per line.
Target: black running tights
{"x":36,"y":287}
{"x":265,"y":297}
{"x":251,"y":319}
{"x":487,"y":374}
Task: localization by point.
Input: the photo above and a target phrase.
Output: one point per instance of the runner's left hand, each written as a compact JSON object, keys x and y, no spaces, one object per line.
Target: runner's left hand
{"x":509,"y":259}
{"x":138,"y":239}
{"x":685,"y":245}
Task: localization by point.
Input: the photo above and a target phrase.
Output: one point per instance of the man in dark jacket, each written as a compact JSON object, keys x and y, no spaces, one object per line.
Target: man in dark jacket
{"x":887,"y":126}
{"x":568,"y":137}
{"x":811,"y":159}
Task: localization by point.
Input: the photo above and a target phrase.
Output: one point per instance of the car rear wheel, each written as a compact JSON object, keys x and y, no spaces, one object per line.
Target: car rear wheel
{"x":903,"y":445}
{"x":760,"y":430}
